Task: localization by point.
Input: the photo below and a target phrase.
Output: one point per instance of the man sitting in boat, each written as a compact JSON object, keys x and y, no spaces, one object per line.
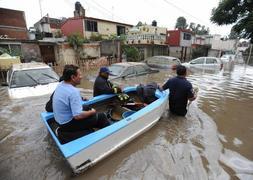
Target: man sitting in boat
{"x":67,"y":105}
{"x":102,"y":85}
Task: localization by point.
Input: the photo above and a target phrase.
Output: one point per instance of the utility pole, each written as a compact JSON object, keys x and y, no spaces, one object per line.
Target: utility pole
{"x":40,"y":8}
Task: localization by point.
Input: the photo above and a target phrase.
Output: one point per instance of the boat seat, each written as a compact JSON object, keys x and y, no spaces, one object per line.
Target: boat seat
{"x":65,"y":137}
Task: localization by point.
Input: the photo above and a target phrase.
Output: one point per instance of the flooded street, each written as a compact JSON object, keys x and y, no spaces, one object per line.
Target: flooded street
{"x":213,"y":141}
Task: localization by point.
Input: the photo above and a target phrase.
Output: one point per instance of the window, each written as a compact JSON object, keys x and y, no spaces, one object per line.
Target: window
{"x":33,"y":77}
{"x":91,"y":26}
{"x":128,"y":72}
{"x":187,"y":36}
{"x":198,"y":61}
{"x":140,"y":70}
{"x":211,"y":61}
{"x":121,"y":30}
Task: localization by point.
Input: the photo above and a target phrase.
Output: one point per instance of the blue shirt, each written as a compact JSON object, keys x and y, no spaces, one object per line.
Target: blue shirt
{"x":180,"y":91}
{"x":66,"y":103}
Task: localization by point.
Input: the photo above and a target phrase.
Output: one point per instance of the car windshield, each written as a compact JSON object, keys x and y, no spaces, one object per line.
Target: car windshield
{"x":33,"y":77}
{"x":116,"y":70}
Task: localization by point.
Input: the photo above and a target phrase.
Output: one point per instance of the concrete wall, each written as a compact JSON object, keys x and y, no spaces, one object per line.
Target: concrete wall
{"x":105,"y":29}
{"x":177,"y":52}
{"x":73,"y":25}
{"x":31,"y":52}
{"x":66,"y":55}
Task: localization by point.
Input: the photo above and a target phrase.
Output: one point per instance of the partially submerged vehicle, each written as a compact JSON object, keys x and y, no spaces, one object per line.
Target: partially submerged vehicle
{"x":164,"y":62}
{"x":211,"y":63}
{"x":31,"y":79}
{"x":129,"y":69}
{"x":130,"y":121}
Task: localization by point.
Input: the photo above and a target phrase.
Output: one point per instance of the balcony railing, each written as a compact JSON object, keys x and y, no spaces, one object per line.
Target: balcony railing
{"x":146,"y":39}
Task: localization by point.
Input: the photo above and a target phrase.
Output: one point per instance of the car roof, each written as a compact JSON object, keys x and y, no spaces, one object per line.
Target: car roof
{"x":127,"y":64}
{"x":167,"y":57}
{"x":26,"y":66}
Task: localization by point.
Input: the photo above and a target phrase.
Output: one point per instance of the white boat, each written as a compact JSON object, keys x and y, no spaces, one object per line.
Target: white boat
{"x":87,"y":150}
{"x":31,"y":79}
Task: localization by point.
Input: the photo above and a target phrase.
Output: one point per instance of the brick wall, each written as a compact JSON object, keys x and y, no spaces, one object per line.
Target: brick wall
{"x":13,"y":24}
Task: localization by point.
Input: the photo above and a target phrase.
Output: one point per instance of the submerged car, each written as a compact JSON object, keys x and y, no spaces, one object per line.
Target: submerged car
{"x":129,"y":69}
{"x":205,"y":63}
{"x":162,"y":62}
{"x":31,"y":79}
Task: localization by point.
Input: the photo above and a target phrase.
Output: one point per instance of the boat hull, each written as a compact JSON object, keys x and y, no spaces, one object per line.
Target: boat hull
{"x":102,"y":143}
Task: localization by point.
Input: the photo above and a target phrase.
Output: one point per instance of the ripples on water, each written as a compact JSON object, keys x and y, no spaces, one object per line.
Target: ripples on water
{"x":212,"y":142}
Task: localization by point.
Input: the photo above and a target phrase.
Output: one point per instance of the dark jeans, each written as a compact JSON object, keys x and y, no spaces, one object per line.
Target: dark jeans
{"x":178,"y":112}
{"x":98,"y":120}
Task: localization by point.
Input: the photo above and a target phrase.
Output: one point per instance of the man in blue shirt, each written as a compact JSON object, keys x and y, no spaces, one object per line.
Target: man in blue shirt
{"x":67,"y":104}
{"x":180,"y":92}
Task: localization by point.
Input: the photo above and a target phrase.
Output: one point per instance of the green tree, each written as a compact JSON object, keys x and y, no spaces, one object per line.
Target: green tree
{"x":139,"y":24}
{"x":239,"y":12}
{"x":96,"y":37}
{"x":131,"y":52}
{"x":181,"y":23}
{"x":233,"y":34}
{"x":76,"y":41}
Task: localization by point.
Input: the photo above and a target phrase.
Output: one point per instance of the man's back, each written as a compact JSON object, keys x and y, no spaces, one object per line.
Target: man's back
{"x":66,"y":103}
{"x":180,"y":92}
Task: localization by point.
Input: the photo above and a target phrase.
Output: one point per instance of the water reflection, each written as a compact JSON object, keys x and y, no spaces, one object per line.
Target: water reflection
{"x":212,"y":142}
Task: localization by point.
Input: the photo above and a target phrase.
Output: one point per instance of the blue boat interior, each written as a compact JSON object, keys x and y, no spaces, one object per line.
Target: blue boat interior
{"x":112,"y":107}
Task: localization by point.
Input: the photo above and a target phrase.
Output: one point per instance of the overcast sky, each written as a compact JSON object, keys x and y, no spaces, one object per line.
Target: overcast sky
{"x":165,"y":12}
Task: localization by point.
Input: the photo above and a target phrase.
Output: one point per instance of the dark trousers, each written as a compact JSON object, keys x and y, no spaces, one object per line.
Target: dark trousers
{"x":98,"y":120}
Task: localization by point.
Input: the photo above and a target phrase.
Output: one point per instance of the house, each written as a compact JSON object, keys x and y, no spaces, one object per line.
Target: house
{"x":12,"y":24}
{"x":150,"y":40}
{"x":89,"y":26}
{"x":49,"y":27}
{"x":219,"y":45}
{"x":180,"y":42}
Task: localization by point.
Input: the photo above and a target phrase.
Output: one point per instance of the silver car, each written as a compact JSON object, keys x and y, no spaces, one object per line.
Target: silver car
{"x":205,"y":63}
{"x":129,"y":69}
{"x":163,"y":62}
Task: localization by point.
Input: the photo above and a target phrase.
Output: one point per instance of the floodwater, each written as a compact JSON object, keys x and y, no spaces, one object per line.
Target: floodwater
{"x":213,"y":141}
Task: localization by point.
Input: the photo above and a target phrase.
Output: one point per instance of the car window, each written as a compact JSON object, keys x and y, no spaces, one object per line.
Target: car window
{"x":153,"y":60}
{"x":33,"y":77}
{"x":211,"y":61}
{"x":198,"y":61}
{"x":140,"y":69}
{"x":116,"y":70}
{"x":145,"y":67}
{"x":129,"y":71}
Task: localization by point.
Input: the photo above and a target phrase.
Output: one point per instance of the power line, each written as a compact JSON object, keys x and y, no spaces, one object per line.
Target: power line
{"x":182,"y":10}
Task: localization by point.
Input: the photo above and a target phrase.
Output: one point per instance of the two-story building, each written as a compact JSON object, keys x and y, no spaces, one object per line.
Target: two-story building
{"x":149,"y":39}
{"x":180,"y":41}
{"x":88,"y":26}
{"x":49,"y":27}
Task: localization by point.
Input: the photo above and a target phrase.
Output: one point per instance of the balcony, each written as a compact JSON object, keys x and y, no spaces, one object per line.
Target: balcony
{"x":146,"y":39}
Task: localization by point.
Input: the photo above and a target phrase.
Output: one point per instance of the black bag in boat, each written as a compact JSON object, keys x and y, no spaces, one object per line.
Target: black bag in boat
{"x":147,"y":92}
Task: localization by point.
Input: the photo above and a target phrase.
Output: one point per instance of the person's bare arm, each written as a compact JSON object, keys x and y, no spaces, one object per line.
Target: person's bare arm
{"x":85,"y":114}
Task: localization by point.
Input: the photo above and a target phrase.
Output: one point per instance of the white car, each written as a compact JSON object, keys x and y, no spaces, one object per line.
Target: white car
{"x":31,"y":79}
{"x":205,"y":63}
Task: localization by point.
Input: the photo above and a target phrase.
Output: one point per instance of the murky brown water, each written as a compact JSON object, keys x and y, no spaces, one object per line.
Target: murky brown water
{"x":212,"y":142}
